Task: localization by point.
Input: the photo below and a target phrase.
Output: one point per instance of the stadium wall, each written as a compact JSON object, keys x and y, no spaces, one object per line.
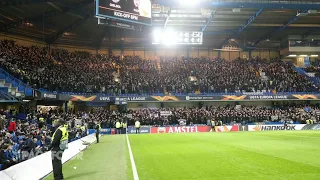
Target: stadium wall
{"x":151,"y":53}
{"x":74,"y":48}
{"x":22,"y":41}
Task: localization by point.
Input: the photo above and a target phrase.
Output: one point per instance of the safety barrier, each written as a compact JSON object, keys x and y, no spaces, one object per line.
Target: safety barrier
{"x":40,"y":166}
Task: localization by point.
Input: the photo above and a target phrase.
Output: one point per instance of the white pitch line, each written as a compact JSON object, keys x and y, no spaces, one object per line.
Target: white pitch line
{"x":133,"y":164}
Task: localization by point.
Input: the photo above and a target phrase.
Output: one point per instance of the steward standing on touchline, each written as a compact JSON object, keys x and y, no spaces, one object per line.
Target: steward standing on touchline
{"x":98,"y":127}
{"x":118,"y":126}
{"x":58,"y":145}
{"x":137,"y":124}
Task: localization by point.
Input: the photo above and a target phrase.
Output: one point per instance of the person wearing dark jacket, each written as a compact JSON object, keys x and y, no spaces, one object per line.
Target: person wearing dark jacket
{"x":4,"y":159}
{"x":1,"y":123}
{"x":28,"y":148}
{"x":97,"y":128}
{"x":58,"y":145}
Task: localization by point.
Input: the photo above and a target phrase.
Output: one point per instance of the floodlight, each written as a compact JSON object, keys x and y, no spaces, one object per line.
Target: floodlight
{"x":156,"y":35}
{"x":169,"y":37}
{"x":189,"y":3}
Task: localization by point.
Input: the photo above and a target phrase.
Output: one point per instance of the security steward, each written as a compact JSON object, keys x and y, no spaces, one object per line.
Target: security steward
{"x":118,"y":126}
{"x":98,"y":127}
{"x":58,"y":145}
{"x":41,"y":122}
{"x":137,"y":125}
{"x":124,"y":128}
{"x":213,"y":125}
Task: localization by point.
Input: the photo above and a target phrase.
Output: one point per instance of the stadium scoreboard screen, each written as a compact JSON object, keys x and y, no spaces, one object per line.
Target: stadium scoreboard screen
{"x":177,"y":37}
{"x":134,"y":11}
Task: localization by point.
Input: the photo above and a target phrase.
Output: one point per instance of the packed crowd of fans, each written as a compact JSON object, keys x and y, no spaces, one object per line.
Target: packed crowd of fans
{"x":82,"y":72}
{"x":228,"y":114}
{"x":23,"y":139}
{"x":314,"y":68}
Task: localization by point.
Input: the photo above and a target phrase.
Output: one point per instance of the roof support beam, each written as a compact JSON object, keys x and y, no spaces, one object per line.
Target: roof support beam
{"x":51,"y":39}
{"x":292,"y":20}
{"x":19,"y":2}
{"x":308,"y":33}
{"x":254,"y":4}
{"x":106,"y":31}
{"x":44,"y":15}
{"x":167,"y":19}
{"x":209,"y":20}
{"x":247,"y":23}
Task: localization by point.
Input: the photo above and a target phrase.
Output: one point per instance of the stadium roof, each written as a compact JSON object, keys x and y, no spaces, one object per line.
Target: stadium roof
{"x":71,"y":22}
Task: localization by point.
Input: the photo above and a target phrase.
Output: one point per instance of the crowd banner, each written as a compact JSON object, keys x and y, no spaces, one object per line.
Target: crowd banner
{"x":102,"y":131}
{"x":41,"y":165}
{"x":181,"y":129}
{"x":281,"y":127}
{"x":143,"y":130}
{"x":165,"y":113}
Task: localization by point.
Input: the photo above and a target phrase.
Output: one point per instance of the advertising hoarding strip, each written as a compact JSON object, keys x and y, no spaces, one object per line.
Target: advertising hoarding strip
{"x":281,"y":127}
{"x":95,"y":98}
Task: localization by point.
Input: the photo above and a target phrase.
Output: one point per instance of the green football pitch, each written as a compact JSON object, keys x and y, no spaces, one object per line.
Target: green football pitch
{"x":201,"y":156}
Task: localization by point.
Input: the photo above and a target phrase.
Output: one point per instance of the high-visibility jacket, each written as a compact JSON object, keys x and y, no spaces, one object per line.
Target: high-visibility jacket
{"x":124,"y":125}
{"x":64,"y":138}
{"x":118,"y":125}
{"x":83,"y":128}
{"x":54,"y":122}
{"x":137,"y":124}
{"x":99,"y":126}
{"x":41,"y":119}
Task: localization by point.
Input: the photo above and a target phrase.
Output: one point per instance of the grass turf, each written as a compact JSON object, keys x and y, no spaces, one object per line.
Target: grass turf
{"x":203,"y":156}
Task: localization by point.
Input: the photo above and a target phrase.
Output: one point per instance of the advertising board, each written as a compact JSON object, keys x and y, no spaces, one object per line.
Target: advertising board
{"x":280,"y":127}
{"x":143,"y":130}
{"x":181,"y":129}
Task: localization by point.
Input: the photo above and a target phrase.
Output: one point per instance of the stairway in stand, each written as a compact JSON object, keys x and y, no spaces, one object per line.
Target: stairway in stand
{"x":301,"y":71}
{"x":12,"y":87}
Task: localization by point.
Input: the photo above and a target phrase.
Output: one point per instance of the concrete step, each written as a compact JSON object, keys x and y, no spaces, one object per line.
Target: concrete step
{"x":19,"y":94}
{"x":2,"y":82}
{"x":9,"y":85}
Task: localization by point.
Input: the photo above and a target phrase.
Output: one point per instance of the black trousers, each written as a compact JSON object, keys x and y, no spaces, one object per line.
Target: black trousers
{"x":97,"y":137}
{"x":56,"y":157}
{"x":118,"y":130}
{"x":137,"y":130}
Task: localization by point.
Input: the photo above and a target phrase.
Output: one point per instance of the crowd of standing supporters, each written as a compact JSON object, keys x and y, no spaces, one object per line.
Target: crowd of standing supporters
{"x":228,"y":114}
{"x":22,"y":139}
{"x":82,"y":72}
